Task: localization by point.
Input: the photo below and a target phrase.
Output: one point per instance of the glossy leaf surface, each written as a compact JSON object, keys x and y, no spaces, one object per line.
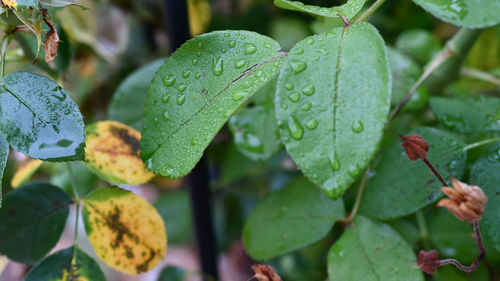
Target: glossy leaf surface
{"x":125,"y":230}
{"x":399,"y":187}
{"x":112,"y":152}
{"x":66,"y":265}
{"x":343,"y":114}
{"x":467,"y":115}
{"x":39,"y":118}
{"x":467,"y":13}
{"x":255,"y":128}
{"x":372,"y":251}
{"x":31,"y":221}
{"x":195,"y":92}
{"x":348,"y":10}
{"x":127,"y":104}
{"x":295,"y":216}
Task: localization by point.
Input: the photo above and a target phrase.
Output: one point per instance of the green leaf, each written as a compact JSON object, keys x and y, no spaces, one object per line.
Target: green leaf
{"x":372,"y":251}
{"x":33,"y":19}
{"x":175,"y":209}
{"x":4,"y":154}
{"x":195,"y":92}
{"x":127,"y":104}
{"x":31,"y":221}
{"x":39,"y":118}
{"x":66,"y":265}
{"x":348,"y":10}
{"x":484,"y":173}
{"x":333,"y":96}
{"x":399,"y":187}
{"x":293,"y":217}
{"x":60,"y":3}
{"x":421,"y":44}
{"x":255,"y":129}
{"x":466,"y":13}
{"x":172,"y":273}
{"x":467,"y":115}
{"x":405,"y":72}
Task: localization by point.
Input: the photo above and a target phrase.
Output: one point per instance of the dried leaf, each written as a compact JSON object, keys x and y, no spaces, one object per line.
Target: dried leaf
{"x":51,"y":40}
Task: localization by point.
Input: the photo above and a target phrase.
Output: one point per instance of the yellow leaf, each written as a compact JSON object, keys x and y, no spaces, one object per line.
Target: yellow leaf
{"x":25,"y":170}
{"x":199,"y":16}
{"x":112,"y":152}
{"x":10,"y":3}
{"x":125,"y":230}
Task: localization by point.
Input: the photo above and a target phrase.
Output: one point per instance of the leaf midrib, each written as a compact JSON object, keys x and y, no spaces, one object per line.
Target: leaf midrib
{"x":24,"y":103}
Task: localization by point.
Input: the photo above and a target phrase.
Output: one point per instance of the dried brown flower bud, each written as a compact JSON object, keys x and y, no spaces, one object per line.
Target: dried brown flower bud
{"x":415,"y":146}
{"x":465,"y":201}
{"x":264,"y":272}
{"x":428,"y":262}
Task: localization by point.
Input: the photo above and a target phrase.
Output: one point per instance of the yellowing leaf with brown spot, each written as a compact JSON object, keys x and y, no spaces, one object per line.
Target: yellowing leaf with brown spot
{"x":25,"y":170}
{"x":125,"y":230}
{"x":112,"y":152}
{"x":10,"y":3}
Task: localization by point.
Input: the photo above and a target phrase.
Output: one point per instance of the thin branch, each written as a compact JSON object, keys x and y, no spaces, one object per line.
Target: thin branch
{"x":370,"y":11}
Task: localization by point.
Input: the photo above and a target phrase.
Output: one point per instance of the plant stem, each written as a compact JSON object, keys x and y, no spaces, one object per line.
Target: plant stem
{"x":73,"y":182}
{"x":77,"y":215}
{"x":359,"y":196}
{"x":480,"y":75}
{"x":370,"y":11}
{"x":436,"y":173}
{"x":422,"y":227}
{"x":5,"y":43}
{"x":477,"y":261}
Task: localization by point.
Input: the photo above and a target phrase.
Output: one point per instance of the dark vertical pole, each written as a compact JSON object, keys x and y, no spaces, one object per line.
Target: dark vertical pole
{"x":198,"y":179}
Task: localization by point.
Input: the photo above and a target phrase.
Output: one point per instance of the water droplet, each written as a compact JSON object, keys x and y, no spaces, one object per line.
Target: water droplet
{"x":165,"y":98}
{"x":224,"y":50}
{"x":357,"y":126}
{"x":294,"y":97}
{"x":198,"y":54}
{"x":289,"y":86}
{"x":267,"y":45}
{"x":226,"y":34}
{"x":334,"y":163}
{"x":308,"y":90}
{"x":197,"y":76}
{"x":186,"y":74}
{"x":241,"y":94}
{"x":285,"y":106}
{"x":181,"y":99}
{"x":194,"y":61}
{"x":181,"y":87}
{"x":353,"y":170}
{"x":312,"y":124}
{"x":243,"y":37}
{"x":200,"y":45}
{"x":299,"y":51}
{"x":195,"y":141}
{"x":217,"y":66}
{"x":239,"y":63}
{"x":166,"y":116}
{"x":306,"y":106}
{"x":156,"y":120}
{"x":249,"y":48}
{"x":232,"y":43}
{"x":294,"y":128}
{"x":169,"y":80}
{"x":310,"y":41}
{"x":297,"y":66}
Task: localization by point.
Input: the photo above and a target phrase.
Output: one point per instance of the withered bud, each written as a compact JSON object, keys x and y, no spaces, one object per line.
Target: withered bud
{"x":428,"y":262}
{"x":264,"y":272}
{"x":465,"y":201}
{"x":415,"y":146}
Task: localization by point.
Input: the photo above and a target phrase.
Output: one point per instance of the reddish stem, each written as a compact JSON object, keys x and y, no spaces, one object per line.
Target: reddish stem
{"x":436,"y":173}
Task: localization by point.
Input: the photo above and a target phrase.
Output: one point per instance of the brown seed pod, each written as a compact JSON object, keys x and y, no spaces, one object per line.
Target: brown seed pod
{"x":428,"y":262}
{"x":465,"y":201}
{"x":415,"y":145}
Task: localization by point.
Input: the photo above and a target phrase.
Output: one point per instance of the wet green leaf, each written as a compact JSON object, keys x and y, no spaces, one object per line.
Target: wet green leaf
{"x":293,"y":217}
{"x":255,"y":129}
{"x":127,"y":104}
{"x":484,"y":173}
{"x":66,"y":265}
{"x":372,"y":251}
{"x":39,"y":118}
{"x":31,"y":221}
{"x":343,"y":114}
{"x":467,"y":13}
{"x":195,"y":92}
{"x":420,"y":44}
{"x":348,"y":10}
{"x":467,"y":115}
{"x":405,"y":72}
{"x":125,"y":230}
{"x":4,"y":154}
{"x":398,"y":186}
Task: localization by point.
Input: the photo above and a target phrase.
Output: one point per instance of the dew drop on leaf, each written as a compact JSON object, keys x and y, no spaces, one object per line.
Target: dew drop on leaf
{"x":169,"y":80}
{"x":181,"y":99}
{"x":306,"y":106}
{"x":334,"y":163}
{"x":217,"y":66}
{"x":297,"y":66}
{"x":312,"y":124}
{"x":289,"y":86}
{"x":357,"y":126}
{"x":294,"y":127}
{"x":294,"y":97}
{"x":240,"y":63}
{"x":308,"y":90}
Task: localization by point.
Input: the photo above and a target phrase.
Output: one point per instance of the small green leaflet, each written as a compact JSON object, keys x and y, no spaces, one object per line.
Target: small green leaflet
{"x":4,"y":154}
{"x":39,"y":118}
{"x":466,"y":13}
{"x":66,"y":265}
{"x":195,"y":92}
{"x":293,"y":217}
{"x":372,"y":251}
{"x":333,"y":96}
{"x":348,"y":10}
